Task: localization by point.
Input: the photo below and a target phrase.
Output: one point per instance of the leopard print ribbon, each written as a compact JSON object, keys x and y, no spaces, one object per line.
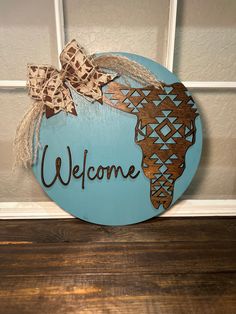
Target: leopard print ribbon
{"x":48,"y":85}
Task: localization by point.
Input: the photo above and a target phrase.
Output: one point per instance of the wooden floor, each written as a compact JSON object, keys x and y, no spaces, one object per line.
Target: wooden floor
{"x":161,"y":266}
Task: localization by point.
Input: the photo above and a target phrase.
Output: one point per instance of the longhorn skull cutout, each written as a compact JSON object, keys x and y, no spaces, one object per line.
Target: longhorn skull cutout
{"x":164,"y":131}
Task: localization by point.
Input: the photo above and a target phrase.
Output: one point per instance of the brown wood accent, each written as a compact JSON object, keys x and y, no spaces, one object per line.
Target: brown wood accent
{"x":165,"y":265}
{"x":163,"y":154}
{"x":153,"y":230}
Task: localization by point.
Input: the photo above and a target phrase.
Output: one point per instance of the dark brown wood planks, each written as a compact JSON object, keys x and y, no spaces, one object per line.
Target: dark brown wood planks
{"x":165,"y":265}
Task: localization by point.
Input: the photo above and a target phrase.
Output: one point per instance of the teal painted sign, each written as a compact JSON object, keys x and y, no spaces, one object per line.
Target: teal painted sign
{"x":127,"y":160}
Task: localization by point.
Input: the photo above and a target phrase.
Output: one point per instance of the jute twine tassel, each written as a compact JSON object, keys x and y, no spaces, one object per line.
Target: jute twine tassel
{"x":26,"y":141}
{"x":129,"y":68}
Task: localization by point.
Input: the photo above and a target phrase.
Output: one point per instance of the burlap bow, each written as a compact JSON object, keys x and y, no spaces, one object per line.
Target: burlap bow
{"x":48,"y":85}
{"x":50,"y":90}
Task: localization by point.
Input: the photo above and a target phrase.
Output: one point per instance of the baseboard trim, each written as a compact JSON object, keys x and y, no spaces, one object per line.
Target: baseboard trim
{"x":184,"y":208}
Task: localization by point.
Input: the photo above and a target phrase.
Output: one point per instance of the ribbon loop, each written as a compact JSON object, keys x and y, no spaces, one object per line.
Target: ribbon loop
{"x":38,"y":75}
{"x":56,"y":97}
{"x":47,"y":84}
{"x":82,"y":73}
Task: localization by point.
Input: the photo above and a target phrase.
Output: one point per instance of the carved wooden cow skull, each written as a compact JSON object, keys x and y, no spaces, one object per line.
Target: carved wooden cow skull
{"x":165,"y":130}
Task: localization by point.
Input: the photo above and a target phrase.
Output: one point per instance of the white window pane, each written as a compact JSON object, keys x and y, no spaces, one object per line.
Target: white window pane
{"x":216,"y":177}
{"x":27,"y":35}
{"x":19,"y":185}
{"x":134,"y":26}
{"x":206,"y":40}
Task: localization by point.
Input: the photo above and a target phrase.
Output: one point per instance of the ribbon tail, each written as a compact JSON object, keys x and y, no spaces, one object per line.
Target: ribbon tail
{"x":26,"y":141}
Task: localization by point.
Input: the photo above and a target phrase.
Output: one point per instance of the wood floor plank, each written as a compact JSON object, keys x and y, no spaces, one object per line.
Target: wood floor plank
{"x":166,"y":266}
{"x":123,"y":293}
{"x":163,"y":258}
{"x":159,"y":230}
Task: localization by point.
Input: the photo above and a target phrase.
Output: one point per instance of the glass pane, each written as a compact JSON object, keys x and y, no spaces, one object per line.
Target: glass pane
{"x":135,"y":26}
{"x":19,"y":185}
{"x":216,"y":177}
{"x":206,"y":40}
{"x":27,"y":35}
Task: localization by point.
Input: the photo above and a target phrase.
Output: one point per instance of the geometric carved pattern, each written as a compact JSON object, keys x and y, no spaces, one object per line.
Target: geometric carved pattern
{"x":165,"y":130}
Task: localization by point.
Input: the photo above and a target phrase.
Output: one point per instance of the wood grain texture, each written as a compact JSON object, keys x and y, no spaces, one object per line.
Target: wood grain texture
{"x":119,"y":294}
{"x":153,"y":257}
{"x":160,"y":266}
{"x":157,"y":229}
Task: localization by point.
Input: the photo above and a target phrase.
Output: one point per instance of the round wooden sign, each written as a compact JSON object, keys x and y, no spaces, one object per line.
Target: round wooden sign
{"x":126,"y":160}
